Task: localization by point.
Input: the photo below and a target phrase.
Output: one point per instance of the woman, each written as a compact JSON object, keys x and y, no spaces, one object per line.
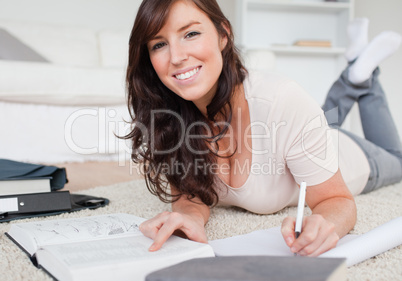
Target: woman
{"x":208,"y":132}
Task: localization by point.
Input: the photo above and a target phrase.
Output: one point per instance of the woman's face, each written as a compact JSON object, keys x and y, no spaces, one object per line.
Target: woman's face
{"x":186,"y":54}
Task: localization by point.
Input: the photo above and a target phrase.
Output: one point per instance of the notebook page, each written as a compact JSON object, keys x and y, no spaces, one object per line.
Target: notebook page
{"x":355,"y":248}
{"x":370,"y":244}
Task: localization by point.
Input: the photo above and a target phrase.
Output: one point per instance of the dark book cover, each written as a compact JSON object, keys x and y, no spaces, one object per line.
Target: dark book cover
{"x":254,"y":268}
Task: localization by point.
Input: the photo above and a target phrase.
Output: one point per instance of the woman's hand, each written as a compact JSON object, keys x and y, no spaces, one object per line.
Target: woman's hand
{"x":187,"y":219}
{"x":318,"y":235}
{"x":162,"y":226}
{"x":334,"y":215}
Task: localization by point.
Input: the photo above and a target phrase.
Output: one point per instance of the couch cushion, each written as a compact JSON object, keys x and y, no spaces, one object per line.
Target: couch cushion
{"x":50,"y":134}
{"x":59,"y":44}
{"x":11,"y":48}
{"x":113,"y":47}
{"x":56,"y":84}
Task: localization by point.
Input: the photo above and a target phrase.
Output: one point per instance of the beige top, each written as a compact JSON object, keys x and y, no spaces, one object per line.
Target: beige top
{"x":291,"y":143}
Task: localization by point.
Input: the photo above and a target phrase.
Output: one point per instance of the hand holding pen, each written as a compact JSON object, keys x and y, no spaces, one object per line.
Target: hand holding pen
{"x":311,"y":235}
{"x":289,"y":224}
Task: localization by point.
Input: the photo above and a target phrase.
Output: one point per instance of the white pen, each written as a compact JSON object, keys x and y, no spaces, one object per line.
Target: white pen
{"x":300,"y":208}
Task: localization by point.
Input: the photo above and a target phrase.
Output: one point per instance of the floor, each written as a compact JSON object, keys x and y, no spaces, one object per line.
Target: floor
{"x":86,"y":175}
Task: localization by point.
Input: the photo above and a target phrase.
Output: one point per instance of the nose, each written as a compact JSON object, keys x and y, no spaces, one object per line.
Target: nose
{"x":178,"y":53}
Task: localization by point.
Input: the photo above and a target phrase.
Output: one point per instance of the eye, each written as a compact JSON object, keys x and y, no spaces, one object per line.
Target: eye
{"x":158,"y":46}
{"x":192,"y":34}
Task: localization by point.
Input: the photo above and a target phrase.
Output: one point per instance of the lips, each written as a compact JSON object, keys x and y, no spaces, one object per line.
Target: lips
{"x":187,"y":74}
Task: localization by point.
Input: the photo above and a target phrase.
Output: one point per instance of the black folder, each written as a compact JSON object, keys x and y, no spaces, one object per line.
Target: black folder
{"x":21,"y":206}
{"x":46,"y":204}
{"x":36,"y":202}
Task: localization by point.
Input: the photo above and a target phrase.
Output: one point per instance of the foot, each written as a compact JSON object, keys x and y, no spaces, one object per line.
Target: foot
{"x":380,"y":48}
{"x":358,"y":39}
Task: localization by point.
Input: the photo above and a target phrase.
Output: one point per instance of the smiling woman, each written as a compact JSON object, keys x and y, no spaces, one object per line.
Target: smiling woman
{"x":176,"y":78}
{"x":188,"y":60}
{"x":208,"y":132}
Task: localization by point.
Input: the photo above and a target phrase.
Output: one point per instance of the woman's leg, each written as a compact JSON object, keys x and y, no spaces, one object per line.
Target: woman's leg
{"x":354,"y":81}
{"x":341,"y":97}
{"x":381,"y":47}
{"x":358,"y":38}
{"x":382,"y":144}
{"x":377,"y":122}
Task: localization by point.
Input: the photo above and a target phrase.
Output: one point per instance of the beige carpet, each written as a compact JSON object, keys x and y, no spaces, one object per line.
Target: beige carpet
{"x":373,"y":210}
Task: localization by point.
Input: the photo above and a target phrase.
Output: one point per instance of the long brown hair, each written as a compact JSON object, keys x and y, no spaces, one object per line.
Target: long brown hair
{"x":159,"y":115}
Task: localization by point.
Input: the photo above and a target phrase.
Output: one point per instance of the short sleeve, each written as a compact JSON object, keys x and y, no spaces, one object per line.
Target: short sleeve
{"x":308,"y":147}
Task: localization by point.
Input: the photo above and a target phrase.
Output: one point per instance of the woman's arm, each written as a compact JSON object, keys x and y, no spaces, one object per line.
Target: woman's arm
{"x":333,"y":216}
{"x":187,"y":217}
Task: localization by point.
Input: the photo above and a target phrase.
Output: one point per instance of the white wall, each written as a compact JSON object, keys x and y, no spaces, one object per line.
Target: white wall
{"x":96,"y":14}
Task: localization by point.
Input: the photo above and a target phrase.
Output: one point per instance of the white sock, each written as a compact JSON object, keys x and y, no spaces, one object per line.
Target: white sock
{"x":381,"y":47}
{"x":357,"y":33}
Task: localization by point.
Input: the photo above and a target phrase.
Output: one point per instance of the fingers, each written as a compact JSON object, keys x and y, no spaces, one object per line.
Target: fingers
{"x":163,"y":235}
{"x":151,"y":227}
{"x":317,"y":237}
{"x":161,"y":227}
{"x":326,"y":245}
{"x":288,"y":230}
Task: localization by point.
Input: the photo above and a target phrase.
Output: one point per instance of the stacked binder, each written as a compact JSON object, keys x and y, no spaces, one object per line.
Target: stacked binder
{"x":30,"y":190}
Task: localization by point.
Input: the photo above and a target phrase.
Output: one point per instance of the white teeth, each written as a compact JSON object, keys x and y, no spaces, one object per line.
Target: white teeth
{"x":187,"y":74}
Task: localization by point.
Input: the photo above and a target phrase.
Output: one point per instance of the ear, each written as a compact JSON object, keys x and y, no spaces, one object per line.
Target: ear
{"x":224,"y":39}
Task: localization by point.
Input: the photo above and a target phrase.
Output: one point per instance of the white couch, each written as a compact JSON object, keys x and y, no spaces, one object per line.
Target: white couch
{"x":69,"y":108}
{"x":85,"y":67}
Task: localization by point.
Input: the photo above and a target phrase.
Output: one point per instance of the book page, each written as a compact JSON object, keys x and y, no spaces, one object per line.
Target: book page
{"x":78,"y":229}
{"x":126,"y":258}
{"x":355,"y":248}
{"x":132,"y":249}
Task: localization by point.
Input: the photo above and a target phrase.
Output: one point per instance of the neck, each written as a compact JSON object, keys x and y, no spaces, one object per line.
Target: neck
{"x":238,"y":101}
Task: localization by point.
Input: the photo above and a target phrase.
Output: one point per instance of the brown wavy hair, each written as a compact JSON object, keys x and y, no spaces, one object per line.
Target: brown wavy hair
{"x":159,"y":116}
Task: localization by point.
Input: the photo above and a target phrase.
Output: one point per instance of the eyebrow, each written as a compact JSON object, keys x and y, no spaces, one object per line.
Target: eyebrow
{"x":188,"y":25}
{"x":180,"y":29}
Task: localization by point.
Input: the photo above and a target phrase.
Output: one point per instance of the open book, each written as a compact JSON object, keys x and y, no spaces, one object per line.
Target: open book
{"x":106,"y":247}
{"x":355,"y":248}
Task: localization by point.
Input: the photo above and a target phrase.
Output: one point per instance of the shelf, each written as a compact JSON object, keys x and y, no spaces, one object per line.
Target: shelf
{"x":275,"y":25}
{"x":307,"y":50}
{"x":295,"y":50}
{"x":329,"y":7}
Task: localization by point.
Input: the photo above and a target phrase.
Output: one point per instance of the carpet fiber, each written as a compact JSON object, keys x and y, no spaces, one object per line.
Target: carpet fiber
{"x":374,"y":209}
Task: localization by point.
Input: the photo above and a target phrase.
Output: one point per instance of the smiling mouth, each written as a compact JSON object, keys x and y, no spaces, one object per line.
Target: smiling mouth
{"x":188,"y":74}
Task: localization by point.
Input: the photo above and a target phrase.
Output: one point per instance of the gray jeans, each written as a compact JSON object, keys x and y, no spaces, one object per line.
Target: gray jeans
{"x":381,"y":144}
